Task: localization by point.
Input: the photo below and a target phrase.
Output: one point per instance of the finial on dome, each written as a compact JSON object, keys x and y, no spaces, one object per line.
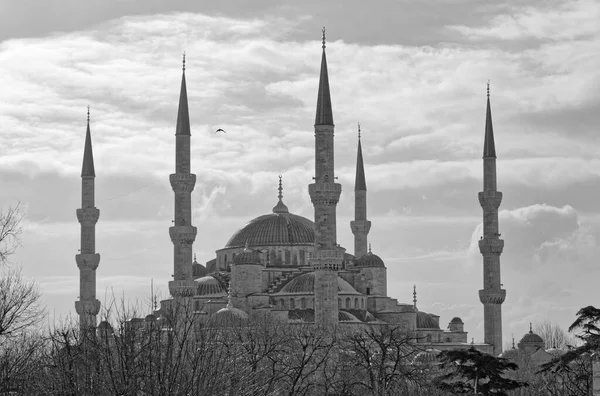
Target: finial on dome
{"x":488,"y":88}
{"x":359,"y":131}
{"x":229,"y":292}
{"x":280,"y":207}
{"x":513,"y":338}
{"x":415,"y":296}
{"x":183,"y":62}
{"x":530,"y":328}
{"x":370,"y":248}
{"x":195,"y":258}
{"x":323,"y":30}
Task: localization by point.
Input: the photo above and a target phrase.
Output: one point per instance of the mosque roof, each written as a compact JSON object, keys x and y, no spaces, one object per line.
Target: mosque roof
{"x":456,"y":320}
{"x":275,"y":229}
{"x":209,"y":285}
{"x":428,"y":356}
{"x":305,"y":284}
{"x":426,"y":321}
{"x":227,"y":316}
{"x":369,"y":260}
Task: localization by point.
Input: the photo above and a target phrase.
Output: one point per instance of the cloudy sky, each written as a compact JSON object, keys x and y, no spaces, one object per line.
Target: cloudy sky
{"x":412,"y":73}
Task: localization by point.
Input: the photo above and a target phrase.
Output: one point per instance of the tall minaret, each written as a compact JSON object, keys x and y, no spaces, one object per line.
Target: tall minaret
{"x":492,"y":295}
{"x":182,"y":233}
{"x":360,"y":226}
{"x":87,"y":260}
{"x":325,"y":194}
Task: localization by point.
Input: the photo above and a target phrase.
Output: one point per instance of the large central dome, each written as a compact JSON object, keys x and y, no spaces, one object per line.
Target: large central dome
{"x":274,"y":229}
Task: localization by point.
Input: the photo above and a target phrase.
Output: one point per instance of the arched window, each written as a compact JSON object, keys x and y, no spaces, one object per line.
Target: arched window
{"x":428,"y":337}
{"x":282,"y":303}
{"x":294,"y":258}
{"x":303,"y":303}
{"x":362,"y":303}
{"x":356,"y":303}
{"x":292,"y":303}
{"x":348,"y":302}
{"x":340,"y":303}
{"x":288,"y":257}
{"x":273,"y":259}
{"x":302,"y":258}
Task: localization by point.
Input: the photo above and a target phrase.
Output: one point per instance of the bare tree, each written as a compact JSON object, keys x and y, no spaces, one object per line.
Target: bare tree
{"x":11,"y":226}
{"x":20,"y":307}
{"x":554,"y":336}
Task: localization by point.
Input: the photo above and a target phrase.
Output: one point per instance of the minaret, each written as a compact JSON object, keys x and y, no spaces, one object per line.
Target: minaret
{"x":87,"y":307}
{"x":492,"y":295}
{"x":325,"y":194}
{"x":182,"y":232}
{"x":360,"y":226}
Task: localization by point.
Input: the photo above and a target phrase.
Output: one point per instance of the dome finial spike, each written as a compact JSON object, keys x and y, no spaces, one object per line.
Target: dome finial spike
{"x":194,"y":257}
{"x":370,"y":248}
{"x":513,"y":338}
{"x":488,"y":88}
{"x":530,"y":328}
{"x":183,"y":62}
{"x":280,"y":196}
{"x":323,"y":38}
{"x":359,"y":131}
{"x":415,"y":296}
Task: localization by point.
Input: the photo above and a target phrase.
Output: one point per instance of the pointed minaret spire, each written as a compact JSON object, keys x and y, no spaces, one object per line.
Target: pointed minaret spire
{"x":324,"y":193}
{"x":360,"y":226}
{"x":492,"y":295}
{"x":183,"y":115}
{"x":324,"y":113}
{"x":182,"y":232}
{"x":280,"y":207}
{"x":87,"y":168}
{"x":489,"y":147}
{"x":87,"y":307}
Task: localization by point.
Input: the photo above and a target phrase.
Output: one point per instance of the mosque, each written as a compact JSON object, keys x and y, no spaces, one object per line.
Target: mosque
{"x":291,"y":268}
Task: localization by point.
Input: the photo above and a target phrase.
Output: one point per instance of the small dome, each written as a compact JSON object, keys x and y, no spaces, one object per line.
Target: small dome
{"x":428,"y":356}
{"x":150,"y":318}
{"x":226,"y":317}
{"x":531,"y":338}
{"x":248,"y":257}
{"x":426,"y":321}
{"x":274,"y":229}
{"x":344,"y":316}
{"x":208,"y":285}
{"x":305,"y":284}
{"x":456,"y":320}
{"x":104,"y":325}
{"x":369,"y":260}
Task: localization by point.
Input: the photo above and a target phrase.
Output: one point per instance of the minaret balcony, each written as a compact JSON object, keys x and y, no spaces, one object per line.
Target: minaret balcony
{"x":490,"y":200}
{"x":491,"y":246}
{"x":360,"y":227}
{"x":326,"y":194}
{"x":183,"y":182}
{"x":491,"y":296}
{"x":88,"y":261}
{"x":88,"y":217}
{"x":87,"y":307}
{"x":328,"y":260}
{"x":183,"y":235}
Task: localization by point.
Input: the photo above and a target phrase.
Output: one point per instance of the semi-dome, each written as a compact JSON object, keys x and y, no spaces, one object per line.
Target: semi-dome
{"x":247,"y":257}
{"x":429,"y":356}
{"x":369,"y":260}
{"x":227,"y":316}
{"x":305,"y":284}
{"x":208,"y":285}
{"x":426,"y":321}
{"x":345,"y":316}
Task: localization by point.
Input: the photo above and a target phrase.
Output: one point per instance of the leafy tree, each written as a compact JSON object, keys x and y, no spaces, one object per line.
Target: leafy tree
{"x":469,"y":371}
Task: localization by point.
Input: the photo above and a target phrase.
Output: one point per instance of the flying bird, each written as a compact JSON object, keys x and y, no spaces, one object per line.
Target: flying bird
{"x":220,"y":130}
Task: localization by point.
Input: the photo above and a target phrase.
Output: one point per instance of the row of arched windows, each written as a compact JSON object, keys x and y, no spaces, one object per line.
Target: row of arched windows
{"x":303,"y":303}
{"x":274,"y":258}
